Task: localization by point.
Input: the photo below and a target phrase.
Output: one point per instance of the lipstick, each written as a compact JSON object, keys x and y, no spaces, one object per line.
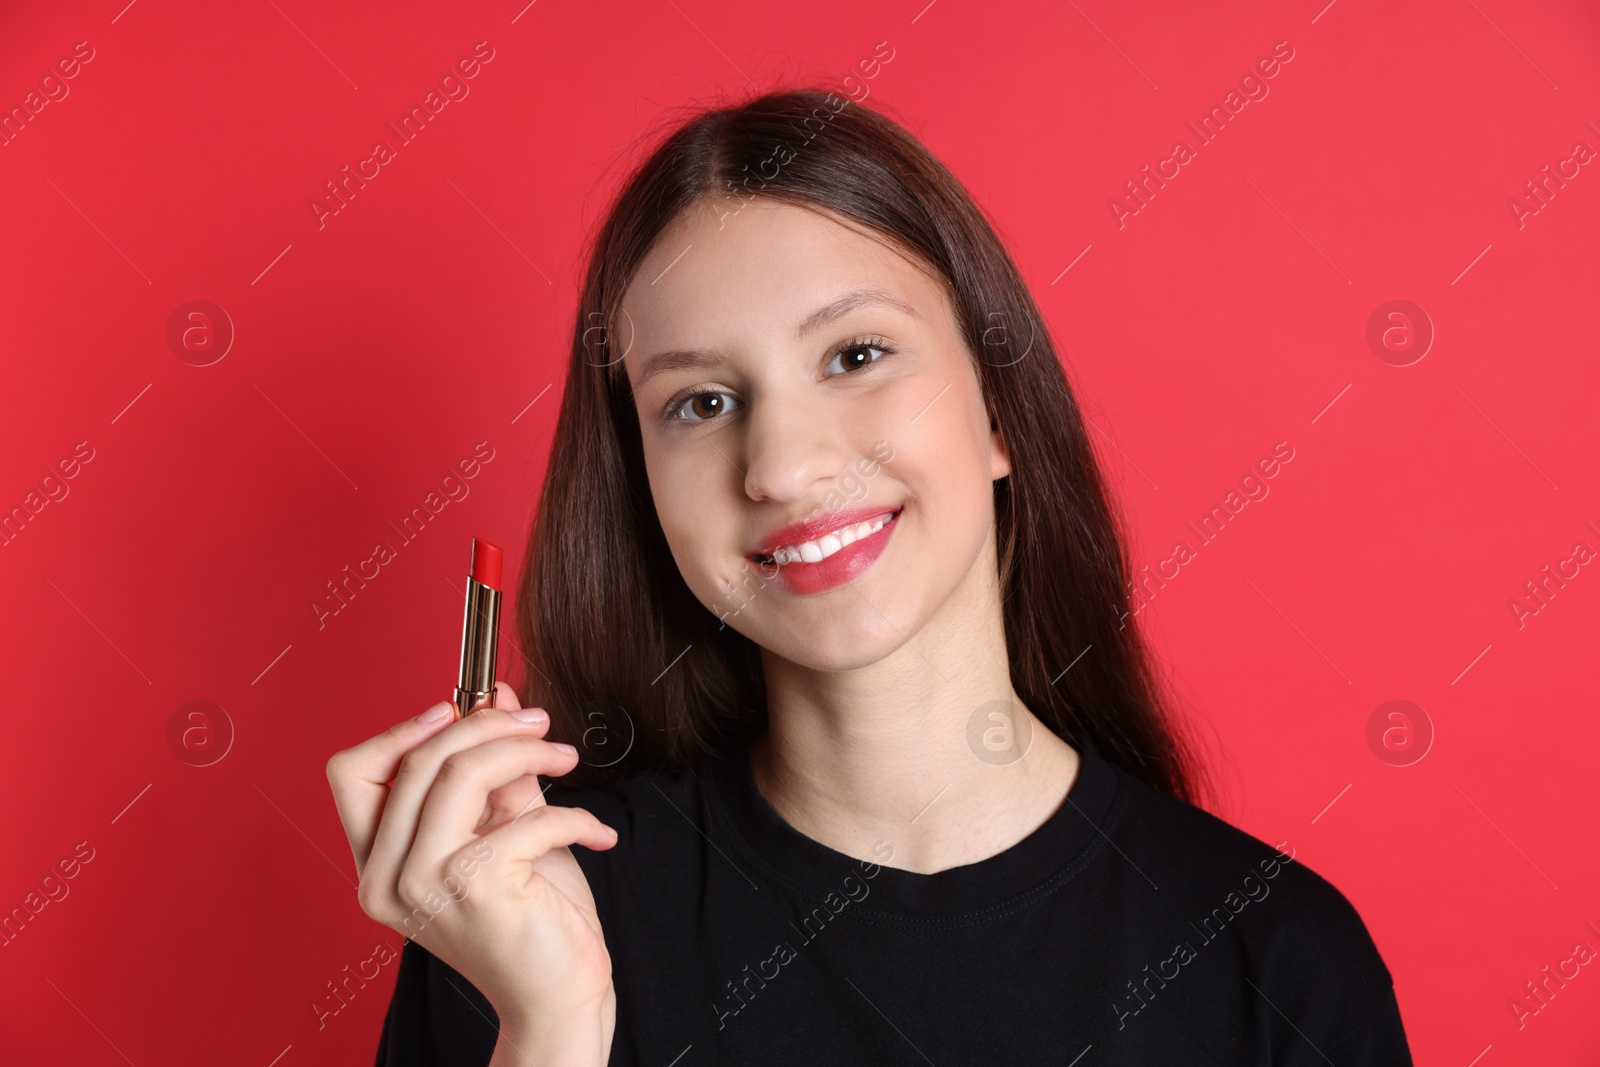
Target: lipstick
{"x":479,"y":629}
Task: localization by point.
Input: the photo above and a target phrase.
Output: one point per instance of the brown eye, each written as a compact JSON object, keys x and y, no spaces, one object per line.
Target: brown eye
{"x":701,"y":407}
{"x":851,"y":358}
{"x":854,"y":355}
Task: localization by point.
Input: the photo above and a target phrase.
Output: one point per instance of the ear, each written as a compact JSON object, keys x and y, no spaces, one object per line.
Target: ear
{"x":999,"y":453}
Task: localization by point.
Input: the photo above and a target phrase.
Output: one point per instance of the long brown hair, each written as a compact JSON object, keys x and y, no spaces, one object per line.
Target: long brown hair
{"x":632,"y":668}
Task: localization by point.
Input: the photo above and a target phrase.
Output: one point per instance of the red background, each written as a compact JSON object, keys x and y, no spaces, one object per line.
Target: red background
{"x":373,"y":353}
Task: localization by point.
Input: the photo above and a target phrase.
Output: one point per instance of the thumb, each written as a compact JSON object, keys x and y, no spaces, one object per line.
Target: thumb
{"x":505,"y":697}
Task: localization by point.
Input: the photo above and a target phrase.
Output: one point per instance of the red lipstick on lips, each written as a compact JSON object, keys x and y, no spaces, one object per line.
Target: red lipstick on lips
{"x":479,"y":629}
{"x":843,"y":566}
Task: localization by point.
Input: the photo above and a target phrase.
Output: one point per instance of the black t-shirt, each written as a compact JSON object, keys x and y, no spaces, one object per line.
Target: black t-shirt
{"x":1129,"y":928}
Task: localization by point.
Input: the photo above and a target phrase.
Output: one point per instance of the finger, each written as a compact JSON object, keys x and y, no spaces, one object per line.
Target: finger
{"x":454,"y":805}
{"x":524,"y":840}
{"x":508,"y":853}
{"x":505,"y":696}
{"x":359,"y":775}
{"x":509,"y":801}
{"x":417,"y":770}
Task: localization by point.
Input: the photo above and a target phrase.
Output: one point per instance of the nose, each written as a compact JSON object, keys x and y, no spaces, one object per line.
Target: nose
{"x":792,"y":451}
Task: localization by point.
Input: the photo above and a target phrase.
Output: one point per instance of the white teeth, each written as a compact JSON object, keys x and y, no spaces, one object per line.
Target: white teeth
{"x":828,"y":544}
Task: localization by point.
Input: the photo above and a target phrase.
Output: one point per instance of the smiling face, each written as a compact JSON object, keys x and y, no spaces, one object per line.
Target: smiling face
{"x":788,"y":369}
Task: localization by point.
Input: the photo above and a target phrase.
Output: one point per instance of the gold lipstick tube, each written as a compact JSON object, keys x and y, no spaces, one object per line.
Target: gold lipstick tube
{"x":479,"y":631}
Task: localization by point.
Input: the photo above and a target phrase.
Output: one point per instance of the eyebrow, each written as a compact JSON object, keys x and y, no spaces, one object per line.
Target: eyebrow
{"x":846,"y":302}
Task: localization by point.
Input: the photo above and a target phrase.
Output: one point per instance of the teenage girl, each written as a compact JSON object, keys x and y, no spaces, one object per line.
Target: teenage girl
{"x":832,"y":681}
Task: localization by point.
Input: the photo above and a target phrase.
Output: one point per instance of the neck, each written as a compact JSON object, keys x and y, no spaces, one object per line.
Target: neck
{"x":929,"y":751}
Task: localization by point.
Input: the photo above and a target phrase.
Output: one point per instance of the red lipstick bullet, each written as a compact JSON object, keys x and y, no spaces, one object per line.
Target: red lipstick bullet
{"x":480,"y":629}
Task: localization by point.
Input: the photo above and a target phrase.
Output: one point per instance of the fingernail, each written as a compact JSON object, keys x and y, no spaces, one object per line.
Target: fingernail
{"x":563,"y":746}
{"x":612,"y":830}
{"x":437,"y":712}
{"x":529,"y":714}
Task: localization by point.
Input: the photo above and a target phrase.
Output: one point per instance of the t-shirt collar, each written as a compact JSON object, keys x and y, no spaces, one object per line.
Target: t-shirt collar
{"x":1054,"y":852}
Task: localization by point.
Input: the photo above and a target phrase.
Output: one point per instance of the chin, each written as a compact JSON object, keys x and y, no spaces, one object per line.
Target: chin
{"x":830,"y":660}
{"x":860,"y":640}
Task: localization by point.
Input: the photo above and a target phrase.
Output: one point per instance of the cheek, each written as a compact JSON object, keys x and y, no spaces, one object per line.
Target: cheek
{"x":691,"y":507}
{"x":943,"y":461}
{"x":669,"y":490}
{"x":947,"y":447}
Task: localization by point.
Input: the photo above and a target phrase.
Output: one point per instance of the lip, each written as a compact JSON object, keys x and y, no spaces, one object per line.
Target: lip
{"x":849,"y":562}
{"x":812,"y":529}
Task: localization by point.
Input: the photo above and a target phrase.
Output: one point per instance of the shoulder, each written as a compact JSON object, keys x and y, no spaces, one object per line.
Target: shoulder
{"x":1239,"y":905}
{"x":1290,"y":919}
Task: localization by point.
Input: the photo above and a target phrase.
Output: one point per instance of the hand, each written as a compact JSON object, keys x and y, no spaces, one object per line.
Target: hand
{"x":462,"y":854}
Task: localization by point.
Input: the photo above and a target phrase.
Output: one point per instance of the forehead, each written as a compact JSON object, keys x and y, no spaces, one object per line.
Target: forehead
{"x":761,"y":264}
